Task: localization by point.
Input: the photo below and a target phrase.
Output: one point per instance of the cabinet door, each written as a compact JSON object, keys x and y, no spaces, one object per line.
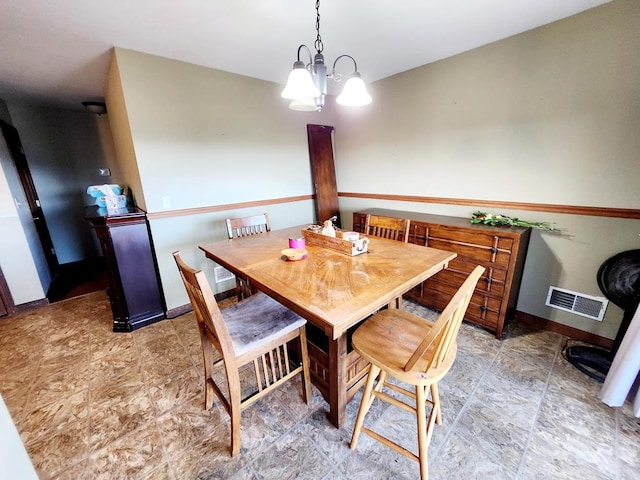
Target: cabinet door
{"x":136,"y":268}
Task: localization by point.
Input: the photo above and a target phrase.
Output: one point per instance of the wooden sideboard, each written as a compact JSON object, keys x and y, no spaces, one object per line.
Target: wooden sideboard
{"x":134,"y":286}
{"x":501,"y":250}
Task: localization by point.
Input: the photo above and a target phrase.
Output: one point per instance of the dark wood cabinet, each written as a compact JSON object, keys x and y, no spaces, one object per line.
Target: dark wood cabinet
{"x":501,"y":250}
{"x":5,"y":297}
{"x":134,"y":286}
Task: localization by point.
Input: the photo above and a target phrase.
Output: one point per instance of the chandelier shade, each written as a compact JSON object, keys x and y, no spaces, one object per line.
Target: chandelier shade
{"x":304,"y":104}
{"x":354,"y":93}
{"x":300,"y":84}
{"x":307,"y":83}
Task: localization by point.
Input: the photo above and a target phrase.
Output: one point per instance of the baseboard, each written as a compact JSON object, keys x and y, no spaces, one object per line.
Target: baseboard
{"x":181,"y":310}
{"x":540,"y":323}
{"x":186,"y":308}
{"x":30,"y":305}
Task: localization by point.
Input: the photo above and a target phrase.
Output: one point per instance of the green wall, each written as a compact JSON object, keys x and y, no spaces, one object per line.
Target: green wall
{"x":205,"y":138}
{"x":550,"y":116}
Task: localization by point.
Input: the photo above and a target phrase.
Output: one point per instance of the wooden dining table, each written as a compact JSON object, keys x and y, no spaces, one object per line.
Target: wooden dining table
{"x":333,"y":291}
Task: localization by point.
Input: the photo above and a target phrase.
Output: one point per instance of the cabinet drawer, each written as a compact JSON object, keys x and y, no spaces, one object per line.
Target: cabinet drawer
{"x":483,"y":254}
{"x":472,"y":238}
{"x":482,"y":310}
{"x":492,"y":280}
{"x":485,"y":311}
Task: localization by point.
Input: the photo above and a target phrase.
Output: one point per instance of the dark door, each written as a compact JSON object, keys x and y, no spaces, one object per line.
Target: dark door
{"x":6,"y":301}
{"x":323,"y":172}
{"x":17,"y":154}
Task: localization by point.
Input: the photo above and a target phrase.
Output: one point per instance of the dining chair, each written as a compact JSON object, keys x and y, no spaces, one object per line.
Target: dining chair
{"x":244,"y":227}
{"x":392,"y":228}
{"x":387,"y":227}
{"x":255,"y":331}
{"x":414,"y":351}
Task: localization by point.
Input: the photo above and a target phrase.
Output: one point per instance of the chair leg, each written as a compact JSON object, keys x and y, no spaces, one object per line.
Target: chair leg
{"x":208,"y":393}
{"x":433,"y":416}
{"x":235,"y":430}
{"x":235,"y":408}
{"x":365,"y":404}
{"x":423,"y":438}
{"x":435,"y":397}
{"x":306,"y":376}
{"x":207,"y":356}
{"x":239,"y":289}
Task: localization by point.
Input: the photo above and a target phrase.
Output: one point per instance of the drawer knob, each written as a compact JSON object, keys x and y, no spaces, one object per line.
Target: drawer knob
{"x":493,"y":250}
{"x":488,"y":279}
{"x":484,"y":308}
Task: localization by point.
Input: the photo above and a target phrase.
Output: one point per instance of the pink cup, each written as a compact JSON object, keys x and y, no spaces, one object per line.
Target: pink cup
{"x":297,"y":243}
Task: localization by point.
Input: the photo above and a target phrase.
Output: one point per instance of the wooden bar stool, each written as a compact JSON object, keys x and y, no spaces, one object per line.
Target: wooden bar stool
{"x":417,"y":352}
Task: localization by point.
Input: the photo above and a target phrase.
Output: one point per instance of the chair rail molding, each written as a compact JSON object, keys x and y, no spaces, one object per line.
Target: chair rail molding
{"x":612,"y":212}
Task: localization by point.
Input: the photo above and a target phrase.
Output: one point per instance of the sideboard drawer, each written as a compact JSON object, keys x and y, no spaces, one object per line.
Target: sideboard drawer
{"x":465,"y":237}
{"x":482,"y":254}
{"x":491,"y":282}
{"x":483,"y":310}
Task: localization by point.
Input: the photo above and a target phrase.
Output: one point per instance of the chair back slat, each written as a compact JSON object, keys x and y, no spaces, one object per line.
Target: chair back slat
{"x":387,"y":227}
{"x":205,"y":307}
{"x":442,"y":334}
{"x":246,"y":226}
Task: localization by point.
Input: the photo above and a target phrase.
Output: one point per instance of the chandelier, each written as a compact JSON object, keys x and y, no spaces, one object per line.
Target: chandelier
{"x":307,"y":84}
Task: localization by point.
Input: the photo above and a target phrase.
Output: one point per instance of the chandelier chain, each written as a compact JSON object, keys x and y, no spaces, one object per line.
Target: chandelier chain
{"x":318,"y":44}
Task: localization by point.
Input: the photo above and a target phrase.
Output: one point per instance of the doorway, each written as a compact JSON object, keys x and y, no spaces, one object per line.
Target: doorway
{"x":26,"y":180}
{"x":59,"y":280}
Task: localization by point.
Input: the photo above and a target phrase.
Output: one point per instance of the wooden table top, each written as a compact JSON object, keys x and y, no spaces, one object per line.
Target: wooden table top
{"x":330,"y":289}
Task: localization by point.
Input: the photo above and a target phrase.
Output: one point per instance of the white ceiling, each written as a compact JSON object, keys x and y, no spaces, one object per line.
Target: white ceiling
{"x":58,"y":51}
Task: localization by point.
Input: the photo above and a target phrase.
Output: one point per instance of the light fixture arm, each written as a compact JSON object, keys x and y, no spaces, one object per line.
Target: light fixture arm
{"x":299,"y":62}
{"x":338,"y":77}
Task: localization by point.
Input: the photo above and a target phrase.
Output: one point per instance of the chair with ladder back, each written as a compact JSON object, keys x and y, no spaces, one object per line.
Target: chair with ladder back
{"x":255,"y":331}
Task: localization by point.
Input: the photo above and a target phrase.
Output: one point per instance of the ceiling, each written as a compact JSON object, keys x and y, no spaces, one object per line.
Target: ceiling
{"x":58,"y":52}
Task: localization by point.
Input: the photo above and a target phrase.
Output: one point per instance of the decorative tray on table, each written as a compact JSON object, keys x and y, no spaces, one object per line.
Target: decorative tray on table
{"x":359,"y":244}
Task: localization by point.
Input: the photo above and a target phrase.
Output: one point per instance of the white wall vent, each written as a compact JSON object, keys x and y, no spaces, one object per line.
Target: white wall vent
{"x":578,"y":303}
{"x":221,"y":274}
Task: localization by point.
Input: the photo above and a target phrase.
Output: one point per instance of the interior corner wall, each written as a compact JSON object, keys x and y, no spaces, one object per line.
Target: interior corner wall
{"x":121,"y":132}
{"x":549,"y":116}
{"x":203,"y":138}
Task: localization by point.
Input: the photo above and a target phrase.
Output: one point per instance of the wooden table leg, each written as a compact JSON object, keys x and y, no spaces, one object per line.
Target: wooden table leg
{"x":338,"y":381}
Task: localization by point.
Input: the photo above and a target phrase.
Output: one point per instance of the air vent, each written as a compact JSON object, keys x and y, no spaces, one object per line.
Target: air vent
{"x":222,"y":274}
{"x":578,"y":303}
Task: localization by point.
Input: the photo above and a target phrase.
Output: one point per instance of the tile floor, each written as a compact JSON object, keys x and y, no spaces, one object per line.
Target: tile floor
{"x":90,"y":403}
